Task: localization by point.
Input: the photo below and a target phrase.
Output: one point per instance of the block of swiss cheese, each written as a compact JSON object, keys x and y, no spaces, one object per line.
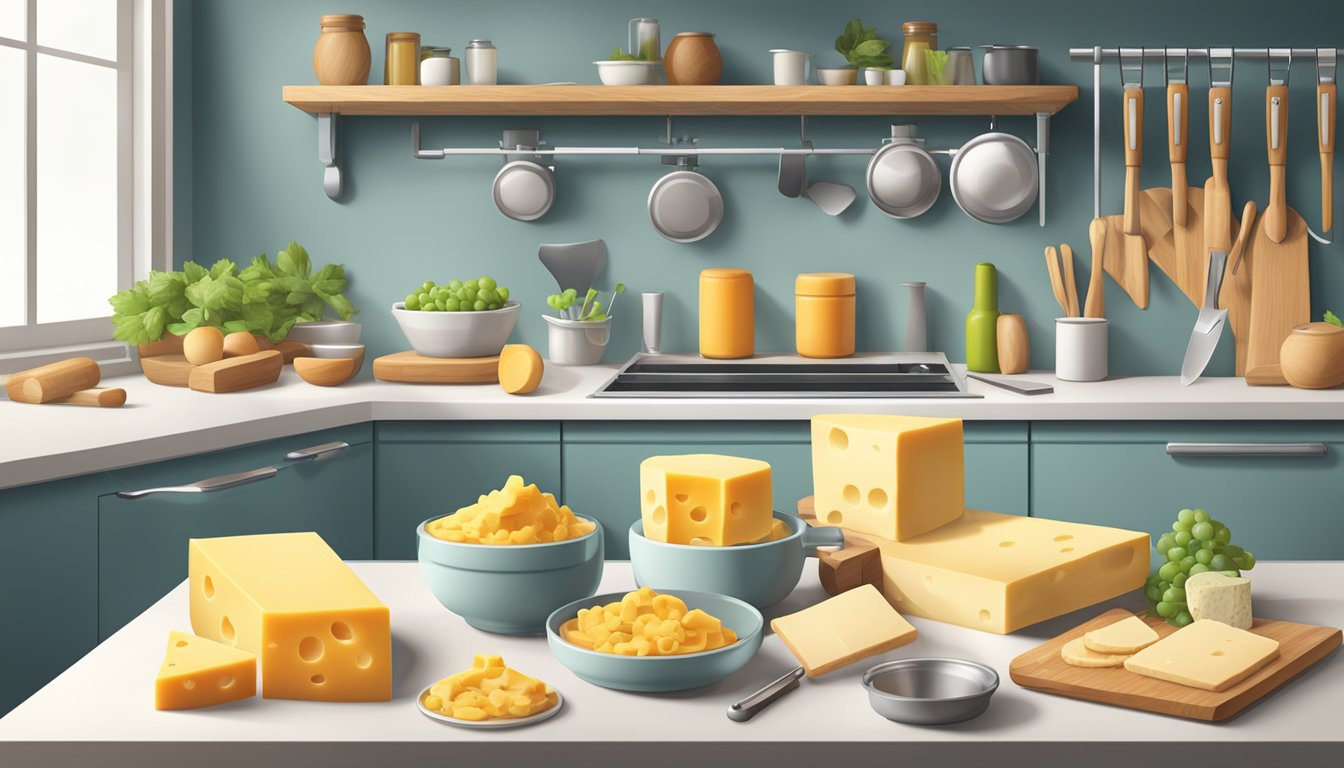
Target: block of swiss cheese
{"x":891,"y":476}
{"x":999,"y":573}
{"x":705,"y":498}
{"x":289,"y":599}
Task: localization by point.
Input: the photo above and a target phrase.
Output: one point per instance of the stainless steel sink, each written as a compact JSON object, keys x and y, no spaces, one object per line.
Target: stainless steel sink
{"x":884,"y":375}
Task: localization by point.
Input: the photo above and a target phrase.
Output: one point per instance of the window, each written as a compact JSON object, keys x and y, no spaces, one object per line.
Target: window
{"x":81,"y":95}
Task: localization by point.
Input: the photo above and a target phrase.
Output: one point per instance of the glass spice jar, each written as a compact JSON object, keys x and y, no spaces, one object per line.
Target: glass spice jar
{"x":402,"y":63}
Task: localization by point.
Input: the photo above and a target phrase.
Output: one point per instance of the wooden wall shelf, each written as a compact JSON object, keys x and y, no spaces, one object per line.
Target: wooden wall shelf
{"x":664,"y":100}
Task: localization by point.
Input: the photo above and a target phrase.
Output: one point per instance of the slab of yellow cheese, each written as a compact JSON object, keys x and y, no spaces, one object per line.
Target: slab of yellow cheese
{"x":1124,"y":637}
{"x":197,"y":672}
{"x":999,"y":573}
{"x":1076,"y":653}
{"x":843,"y":629}
{"x":287,"y":598}
{"x":891,"y":476}
{"x":1207,"y":654}
{"x":1217,"y":596}
{"x":725,"y":499}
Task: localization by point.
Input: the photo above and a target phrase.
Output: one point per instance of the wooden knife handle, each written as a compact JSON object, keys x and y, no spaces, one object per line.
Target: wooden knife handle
{"x":1178,"y":122}
{"x":1133,"y":224}
{"x":1133,"y":127}
{"x":1326,"y":95}
{"x":1220,"y":125}
{"x":112,"y":397}
{"x":1276,"y":142}
{"x":1096,"y":288}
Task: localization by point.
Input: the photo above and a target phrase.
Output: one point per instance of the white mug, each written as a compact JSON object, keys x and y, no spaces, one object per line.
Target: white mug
{"x":790,"y":66}
{"x":1080,"y":348}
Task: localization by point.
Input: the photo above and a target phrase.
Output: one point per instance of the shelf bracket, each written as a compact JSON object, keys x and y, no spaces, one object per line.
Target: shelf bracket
{"x":326,"y":154}
{"x":1042,"y":150}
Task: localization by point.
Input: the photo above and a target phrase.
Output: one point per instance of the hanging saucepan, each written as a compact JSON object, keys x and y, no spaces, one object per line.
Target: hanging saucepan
{"x":994,"y":177}
{"x":904,"y":180}
{"x":685,"y":206}
{"x":524,"y":190}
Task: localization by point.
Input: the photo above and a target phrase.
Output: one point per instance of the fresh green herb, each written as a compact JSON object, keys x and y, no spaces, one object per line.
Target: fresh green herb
{"x":619,"y":54}
{"x":936,"y":62}
{"x":265,"y":298}
{"x":861,"y":47}
{"x":591,"y":310}
{"x":646,"y":53}
{"x":1333,"y":319}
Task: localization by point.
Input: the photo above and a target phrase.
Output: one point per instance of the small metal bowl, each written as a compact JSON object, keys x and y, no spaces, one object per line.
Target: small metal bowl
{"x":930,"y":691}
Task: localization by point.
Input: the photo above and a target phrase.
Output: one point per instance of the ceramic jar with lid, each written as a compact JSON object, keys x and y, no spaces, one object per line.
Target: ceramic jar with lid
{"x":341,"y":55}
{"x":402,"y":63}
{"x":482,"y":62}
{"x":438,"y":66}
{"x":692,"y":58}
{"x":824,"y":314}
{"x":727,"y":314}
{"x":920,"y":36}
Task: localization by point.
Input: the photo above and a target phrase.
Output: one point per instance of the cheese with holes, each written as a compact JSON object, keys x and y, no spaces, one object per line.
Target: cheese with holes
{"x":999,"y":573}
{"x":1217,"y":596}
{"x":843,"y":629}
{"x":287,"y":598}
{"x":725,"y":500}
{"x":891,"y":476}
{"x":1207,"y":654}
{"x":197,"y":672}
{"x":1124,"y":637}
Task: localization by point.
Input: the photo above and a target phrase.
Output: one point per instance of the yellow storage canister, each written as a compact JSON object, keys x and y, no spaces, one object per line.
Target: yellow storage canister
{"x":824,"y":314}
{"x":402,"y":63}
{"x":727,"y":313}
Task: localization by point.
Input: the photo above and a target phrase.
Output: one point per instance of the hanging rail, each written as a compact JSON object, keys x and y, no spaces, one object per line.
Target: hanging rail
{"x":1161,"y":54}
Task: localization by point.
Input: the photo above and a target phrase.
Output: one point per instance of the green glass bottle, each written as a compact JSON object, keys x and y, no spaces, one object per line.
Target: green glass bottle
{"x":982,"y":345}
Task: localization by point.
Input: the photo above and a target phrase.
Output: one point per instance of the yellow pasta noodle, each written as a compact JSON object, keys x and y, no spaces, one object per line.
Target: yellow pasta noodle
{"x":515,"y":514}
{"x":645,"y":623}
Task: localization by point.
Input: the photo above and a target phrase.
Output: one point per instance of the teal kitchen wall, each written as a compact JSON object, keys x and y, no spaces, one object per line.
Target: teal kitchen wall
{"x":248,"y":177}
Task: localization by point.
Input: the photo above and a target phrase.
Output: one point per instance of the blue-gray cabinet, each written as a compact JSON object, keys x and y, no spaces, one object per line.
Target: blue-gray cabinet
{"x":142,"y":543}
{"x":601,"y":464}
{"x":1283,"y":507}
{"x":430,"y":468}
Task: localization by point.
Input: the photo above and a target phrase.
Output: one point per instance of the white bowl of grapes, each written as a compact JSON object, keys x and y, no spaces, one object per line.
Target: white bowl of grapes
{"x":460,"y":318}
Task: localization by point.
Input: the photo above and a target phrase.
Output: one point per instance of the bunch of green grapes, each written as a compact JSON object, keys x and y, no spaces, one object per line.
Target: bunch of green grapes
{"x":458,"y":296}
{"x":1196,"y":543}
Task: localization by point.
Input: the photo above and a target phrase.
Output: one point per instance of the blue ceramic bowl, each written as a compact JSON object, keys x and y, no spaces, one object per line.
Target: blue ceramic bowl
{"x":761,"y":574}
{"x":510,"y":588}
{"x":659,"y":674}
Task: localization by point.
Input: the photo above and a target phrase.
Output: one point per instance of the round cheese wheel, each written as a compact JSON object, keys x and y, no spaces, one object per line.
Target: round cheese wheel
{"x":520,"y":369}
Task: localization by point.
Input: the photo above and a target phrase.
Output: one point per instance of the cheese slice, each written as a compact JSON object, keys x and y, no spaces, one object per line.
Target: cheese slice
{"x":891,"y":476}
{"x":1124,"y":637}
{"x":725,"y":500}
{"x":1208,"y":655}
{"x":287,"y":597}
{"x":1076,"y":653}
{"x":999,"y":573}
{"x":197,"y":672}
{"x":1217,"y":596}
{"x":837,"y":632}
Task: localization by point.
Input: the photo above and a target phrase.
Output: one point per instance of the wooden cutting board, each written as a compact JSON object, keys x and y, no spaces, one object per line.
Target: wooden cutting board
{"x":167,"y":370}
{"x":1280,"y":289}
{"x":235,"y":374}
{"x":1041,"y":669}
{"x":411,"y":368}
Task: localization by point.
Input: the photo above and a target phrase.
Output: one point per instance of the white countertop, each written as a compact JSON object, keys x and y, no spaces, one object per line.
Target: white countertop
{"x":101,"y":710}
{"x":166,"y":422}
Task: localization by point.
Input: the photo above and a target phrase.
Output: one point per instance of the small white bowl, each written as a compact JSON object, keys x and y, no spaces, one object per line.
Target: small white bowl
{"x":457,"y":334}
{"x":838,"y":76}
{"x":325,"y":332}
{"x":875,"y":76}
{"x":896,"y":77}
{"x":627,"y":72}
{"x":336,"y":351}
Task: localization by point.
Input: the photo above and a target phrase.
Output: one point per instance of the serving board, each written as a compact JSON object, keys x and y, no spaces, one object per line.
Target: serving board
{"x":411,"y":368}
{"x":1042,"y":669}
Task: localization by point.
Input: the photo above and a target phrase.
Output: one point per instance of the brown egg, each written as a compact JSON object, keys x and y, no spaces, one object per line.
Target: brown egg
{"x":240,"y":343}
{"x":203,"y":345}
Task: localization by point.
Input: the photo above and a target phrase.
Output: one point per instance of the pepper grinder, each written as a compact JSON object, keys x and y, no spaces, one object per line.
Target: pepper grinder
{"x":653,"y":322}
{"x":916,"y":324}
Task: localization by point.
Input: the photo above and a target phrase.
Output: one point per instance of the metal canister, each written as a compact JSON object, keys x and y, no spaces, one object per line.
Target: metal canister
{"x":727,"y":313}
{"x":824,"y":314}
{"x":1011,"y":65}
{"x":482,"y":62}
{"x":401,"y":65}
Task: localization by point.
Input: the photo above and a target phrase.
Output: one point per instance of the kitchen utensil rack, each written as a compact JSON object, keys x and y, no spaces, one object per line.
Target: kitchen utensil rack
{"x":328,"y":103}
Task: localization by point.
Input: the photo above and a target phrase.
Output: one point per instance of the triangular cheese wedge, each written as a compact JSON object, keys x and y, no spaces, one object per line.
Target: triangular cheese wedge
{"x":201,"y":673}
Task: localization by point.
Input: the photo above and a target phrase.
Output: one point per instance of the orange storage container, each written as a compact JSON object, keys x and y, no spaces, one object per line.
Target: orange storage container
{"x":824,"y":314}
{"x":727,"y":314}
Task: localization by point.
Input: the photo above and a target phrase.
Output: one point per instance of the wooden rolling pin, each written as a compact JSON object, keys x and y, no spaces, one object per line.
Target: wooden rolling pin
{"x":109,"y":397}
{"x":54,"y":381}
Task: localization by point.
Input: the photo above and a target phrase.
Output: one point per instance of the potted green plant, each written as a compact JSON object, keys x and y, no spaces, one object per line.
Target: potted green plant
{"x":862,"y":49}
{"x":578,"y":336}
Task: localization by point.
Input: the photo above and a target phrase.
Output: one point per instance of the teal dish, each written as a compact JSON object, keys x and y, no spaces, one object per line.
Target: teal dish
{"x":761,"y":574}
{"x":510,"y":589}
{"x":659,"y":674}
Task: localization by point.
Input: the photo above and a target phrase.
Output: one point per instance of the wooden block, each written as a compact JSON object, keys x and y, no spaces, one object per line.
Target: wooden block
{"x":858,"y":563}
{"x":410,"y":368}
{"x":167,"y":370}
{"x":53,"y":381}
{"x":111,"y":397}
{"x":237,"y":373}
{"x":168,"y":345}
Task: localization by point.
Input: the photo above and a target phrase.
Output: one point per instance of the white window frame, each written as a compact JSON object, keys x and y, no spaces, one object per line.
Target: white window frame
{"x":144,"y":173}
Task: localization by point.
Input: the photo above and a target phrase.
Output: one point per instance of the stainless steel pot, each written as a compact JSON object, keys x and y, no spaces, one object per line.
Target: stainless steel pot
{"x":1011,"y":65}
{"x":994,"y":177}
{"x":903,"y":178}
{"x":930,"y":691}
{"x":524,"y":190}
{"x":685,"y":206}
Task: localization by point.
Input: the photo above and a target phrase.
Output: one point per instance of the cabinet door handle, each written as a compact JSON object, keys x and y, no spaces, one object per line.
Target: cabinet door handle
{"x":207,"y":485}
{"x":317,"y":452}
{"x":1245,"y":449}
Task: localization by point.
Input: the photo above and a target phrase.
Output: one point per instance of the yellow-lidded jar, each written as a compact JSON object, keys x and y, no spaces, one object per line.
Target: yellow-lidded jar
{"x":824,"y":314}
{"x":402,"y":65}
{"x":727,"y":313}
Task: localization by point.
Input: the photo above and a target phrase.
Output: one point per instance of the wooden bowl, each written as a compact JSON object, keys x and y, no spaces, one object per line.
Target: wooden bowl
{"x":1312,"y":357}
{"x":325,"y":371}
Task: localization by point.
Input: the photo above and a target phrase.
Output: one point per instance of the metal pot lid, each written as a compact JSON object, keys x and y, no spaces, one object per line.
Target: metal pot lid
{"x":994,"y":178}
{"x":903,"y":180}
{"x":685,"y":206}
{"x":524,"y":190}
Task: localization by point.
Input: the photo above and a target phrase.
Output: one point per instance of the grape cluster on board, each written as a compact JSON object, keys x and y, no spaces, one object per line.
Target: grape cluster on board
{"x":477,"y":295}
{"x":1196,"y":543}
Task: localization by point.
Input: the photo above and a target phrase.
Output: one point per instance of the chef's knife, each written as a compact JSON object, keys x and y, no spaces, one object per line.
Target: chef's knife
{"x":1325,"y":131}
{"x":1209,"y":324}
{"x":1178,"y":129}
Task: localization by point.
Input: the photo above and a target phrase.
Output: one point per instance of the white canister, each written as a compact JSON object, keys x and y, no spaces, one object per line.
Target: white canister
{"x":895,"y":77}
{"x":482,"y":62}
{"x":790,"y":66}
{"x":1080,"y":348}
{"x":439,"y":68}
{"x":875,"y":76}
